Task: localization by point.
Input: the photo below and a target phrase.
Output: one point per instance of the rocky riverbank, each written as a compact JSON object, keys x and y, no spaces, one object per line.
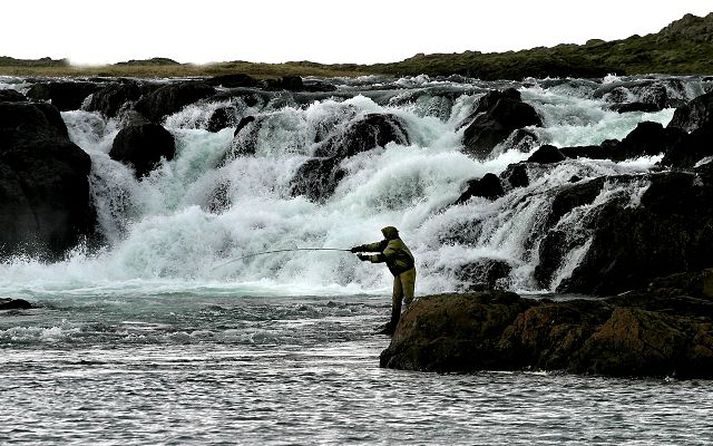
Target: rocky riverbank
{"x":665,"y":330}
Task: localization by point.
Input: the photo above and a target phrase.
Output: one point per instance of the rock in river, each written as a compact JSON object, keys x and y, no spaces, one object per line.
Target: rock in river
{"x":45,"y":207}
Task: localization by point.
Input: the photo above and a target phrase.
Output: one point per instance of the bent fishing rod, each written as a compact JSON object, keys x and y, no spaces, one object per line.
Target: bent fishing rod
{"x":275,"y":251}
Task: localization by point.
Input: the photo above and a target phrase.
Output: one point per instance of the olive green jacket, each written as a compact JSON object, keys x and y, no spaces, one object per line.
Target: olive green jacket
{"x":393,"y":252}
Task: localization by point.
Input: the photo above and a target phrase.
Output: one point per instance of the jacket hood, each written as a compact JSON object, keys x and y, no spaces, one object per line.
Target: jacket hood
{"x":390,"y":233}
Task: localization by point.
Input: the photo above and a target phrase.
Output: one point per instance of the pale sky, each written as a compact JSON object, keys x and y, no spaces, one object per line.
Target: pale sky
{"x":336,"y":31}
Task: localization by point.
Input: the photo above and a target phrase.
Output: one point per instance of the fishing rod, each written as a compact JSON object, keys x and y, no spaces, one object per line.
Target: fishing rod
{"x":274,"y":251}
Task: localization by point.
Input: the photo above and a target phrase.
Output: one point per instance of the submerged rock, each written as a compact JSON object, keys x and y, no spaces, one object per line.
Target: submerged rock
{"x":143,"y":147}
{"x":45,"y":206}
{"x":63,"y":95}
{"x":501,"y":331}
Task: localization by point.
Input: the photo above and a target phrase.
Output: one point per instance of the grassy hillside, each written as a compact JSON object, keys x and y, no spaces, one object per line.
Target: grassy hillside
{"x":683,"y":47}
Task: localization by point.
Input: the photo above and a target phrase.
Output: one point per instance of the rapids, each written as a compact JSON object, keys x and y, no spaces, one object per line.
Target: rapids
{"x":164,"y":233}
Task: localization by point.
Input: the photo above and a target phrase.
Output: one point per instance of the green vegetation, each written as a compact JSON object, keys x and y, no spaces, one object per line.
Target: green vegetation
{"x":683,"y":47}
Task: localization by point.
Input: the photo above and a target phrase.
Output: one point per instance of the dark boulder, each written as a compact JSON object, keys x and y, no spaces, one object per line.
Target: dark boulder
{"x":690,"y":149}
{"x":221,"y":118}
{"x":488,"y":187}
{"x":695,"y":115}
{"x":143,"y":147}
{"x":289,"y":83}
{"x":373,"y":130}
{"x":9,"y":95}
{"x":647,"y":139}
{"x":547,"y":154}
{"x":171,"y":98}
{"x":504,"y":114}
{"x":111,"y":98}
{"x":45,"y":206}
{"x":317,"y":178}
{"x":232,"y":81}
{"x":14,"y":304}
{"x":516,"y":175}
{"x":63,"y":95}
{"x":522,"y":140}
{"x":488,"y":101}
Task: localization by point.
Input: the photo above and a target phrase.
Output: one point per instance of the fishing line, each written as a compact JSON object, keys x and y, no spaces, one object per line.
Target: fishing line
{"x":277,"y":251}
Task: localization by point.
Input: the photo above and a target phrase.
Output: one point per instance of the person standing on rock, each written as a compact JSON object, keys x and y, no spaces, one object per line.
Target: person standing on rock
{"x":394,"y":252}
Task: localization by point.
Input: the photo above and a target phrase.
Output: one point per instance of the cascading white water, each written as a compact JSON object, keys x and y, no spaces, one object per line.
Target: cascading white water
{"x":164,"y":236}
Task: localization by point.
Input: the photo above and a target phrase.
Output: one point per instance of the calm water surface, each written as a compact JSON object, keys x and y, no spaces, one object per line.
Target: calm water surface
{"x":189,"y":369}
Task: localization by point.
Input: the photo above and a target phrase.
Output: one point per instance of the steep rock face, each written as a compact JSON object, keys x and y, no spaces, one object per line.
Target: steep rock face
{"x":143,"y":146}
{"x":63,"y":95}
{"x":497,"y":116}
{"x":45,"y":206}
{"x":171,"y":98}
{"x":623,"y":336}
{"x":670,"y":231}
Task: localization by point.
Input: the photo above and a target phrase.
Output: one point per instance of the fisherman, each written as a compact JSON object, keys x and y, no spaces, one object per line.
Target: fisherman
{"x":394,"y":252}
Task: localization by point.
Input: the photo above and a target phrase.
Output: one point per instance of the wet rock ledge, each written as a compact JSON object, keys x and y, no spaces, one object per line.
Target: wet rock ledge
{"x":666,"y":330}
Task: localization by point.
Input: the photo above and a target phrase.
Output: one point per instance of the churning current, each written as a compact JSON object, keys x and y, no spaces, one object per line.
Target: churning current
{"x":159,"y":338}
